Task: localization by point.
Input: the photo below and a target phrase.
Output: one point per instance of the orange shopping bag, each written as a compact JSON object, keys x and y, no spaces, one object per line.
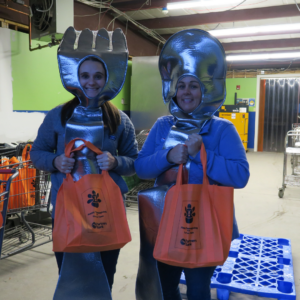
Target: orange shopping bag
{"x":17,"y":194}
{"x":28,"y":176}
{"x":90,"y":213}
{"x":27,"y":185}
{"x":196,"y":225}
{"x":3,"y":177}
{"x":22,"y":188}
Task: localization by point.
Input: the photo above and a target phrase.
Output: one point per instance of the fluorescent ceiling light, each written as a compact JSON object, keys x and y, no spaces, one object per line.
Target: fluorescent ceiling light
{"x":194,"y":4}
{"x":262,"y":56}
{"x":255,"y":30}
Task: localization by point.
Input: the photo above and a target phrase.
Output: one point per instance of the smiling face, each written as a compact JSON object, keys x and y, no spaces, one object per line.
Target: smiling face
{"x":188,"y":93}
{"x":92,"y":77}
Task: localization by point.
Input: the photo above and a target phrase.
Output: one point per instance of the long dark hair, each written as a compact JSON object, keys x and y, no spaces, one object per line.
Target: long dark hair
{"x":111,"y":115}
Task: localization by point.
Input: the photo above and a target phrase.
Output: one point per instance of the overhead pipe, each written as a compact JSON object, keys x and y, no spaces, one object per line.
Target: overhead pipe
{"x":10,"y":8}
{"x":14,"y":23}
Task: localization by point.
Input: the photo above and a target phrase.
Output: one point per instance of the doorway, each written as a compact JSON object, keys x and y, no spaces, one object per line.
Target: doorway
{"x":278,"y":110}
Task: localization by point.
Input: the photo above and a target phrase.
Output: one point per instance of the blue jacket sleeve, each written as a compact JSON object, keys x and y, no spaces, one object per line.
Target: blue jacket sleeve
{"x":127,"y":149}
{"x":152,"y":161}
{"x":230,"y":166}
{"x":44,"y":146}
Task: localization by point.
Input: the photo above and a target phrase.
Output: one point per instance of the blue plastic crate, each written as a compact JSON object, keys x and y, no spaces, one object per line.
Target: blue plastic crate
{"x":256,"y":265}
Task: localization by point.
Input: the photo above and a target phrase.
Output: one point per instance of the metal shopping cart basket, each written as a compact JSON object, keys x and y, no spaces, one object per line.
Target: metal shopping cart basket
{"x":131,"y":196}
{"x":24,"y":194}
{"x":292,"y":150}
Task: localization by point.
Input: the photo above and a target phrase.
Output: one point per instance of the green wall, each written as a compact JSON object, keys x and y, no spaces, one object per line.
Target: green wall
{"x":125,"y":92}
{"x":248,"y":90}
{"x":36,"y":81}
{"x":37,"y":85}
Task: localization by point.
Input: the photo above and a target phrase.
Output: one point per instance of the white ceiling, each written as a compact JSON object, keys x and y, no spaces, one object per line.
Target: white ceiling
{"x":145,"y":13}
{"x":263,"y":22}
{"x":249,"y":4}
{"x":288,"y":41}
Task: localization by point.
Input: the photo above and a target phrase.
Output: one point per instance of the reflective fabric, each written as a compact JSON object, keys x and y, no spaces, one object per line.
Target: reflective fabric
{"x":193,"y":52}
{"x":110,"y":48}
{"x":82,"y":277}
{"x":196,"y":53}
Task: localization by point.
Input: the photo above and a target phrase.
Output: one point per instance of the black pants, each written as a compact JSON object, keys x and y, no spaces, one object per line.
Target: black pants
{"x":109,"y":261}
{"x":197,"y":281}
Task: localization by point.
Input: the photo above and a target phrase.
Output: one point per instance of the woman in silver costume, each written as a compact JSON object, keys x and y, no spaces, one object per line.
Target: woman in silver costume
{"x":92,"y":78}
{"x":193,"y":70}
{"x":94,"y":75}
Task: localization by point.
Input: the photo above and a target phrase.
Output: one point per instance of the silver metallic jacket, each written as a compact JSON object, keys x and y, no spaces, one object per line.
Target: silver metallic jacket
{"x":196,"y":53}
{"x":82,"y":275}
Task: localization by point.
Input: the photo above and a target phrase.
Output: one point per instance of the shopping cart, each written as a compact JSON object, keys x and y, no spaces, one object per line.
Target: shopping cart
{"x":141,"y":138}
{"x":131,"y":196}
{"x":292,"y":149}
{"x":23,"y":195}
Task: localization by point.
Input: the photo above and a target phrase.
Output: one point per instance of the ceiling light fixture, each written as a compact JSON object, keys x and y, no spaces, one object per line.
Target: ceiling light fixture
{"x":265,"y":56}
{"x":164,"y":10}
{"x":194,"y":4}
{"x":222,"y":33}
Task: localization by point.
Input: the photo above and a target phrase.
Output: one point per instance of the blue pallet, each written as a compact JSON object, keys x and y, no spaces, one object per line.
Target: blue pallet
{"x":260,"y":266}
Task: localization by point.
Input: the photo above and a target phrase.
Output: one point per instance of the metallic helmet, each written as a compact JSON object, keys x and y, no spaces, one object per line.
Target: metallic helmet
{"x":110,"y":48}
{"x":194,"y":52}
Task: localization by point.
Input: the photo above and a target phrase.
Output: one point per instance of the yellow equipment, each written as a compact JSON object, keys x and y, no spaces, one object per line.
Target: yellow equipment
{"x":240,"y":121}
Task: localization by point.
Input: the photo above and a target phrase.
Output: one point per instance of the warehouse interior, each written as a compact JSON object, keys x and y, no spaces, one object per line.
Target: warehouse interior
{"x":262,"y":44}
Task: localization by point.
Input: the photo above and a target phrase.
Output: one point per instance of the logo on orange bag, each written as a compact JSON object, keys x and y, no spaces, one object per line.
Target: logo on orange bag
{"x":98,"y":225}
{"x":94,"y":199}
{"x":185,"y":242}
{"x":33,"y":183}
{"x":189,"y":213}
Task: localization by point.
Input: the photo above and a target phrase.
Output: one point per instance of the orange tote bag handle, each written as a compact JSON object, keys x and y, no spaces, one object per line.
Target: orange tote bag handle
{"x":26,"y":152}
{"x":69,"y":148}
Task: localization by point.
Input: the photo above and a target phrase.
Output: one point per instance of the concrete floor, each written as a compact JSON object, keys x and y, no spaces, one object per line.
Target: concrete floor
{"x":33,"y":274}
